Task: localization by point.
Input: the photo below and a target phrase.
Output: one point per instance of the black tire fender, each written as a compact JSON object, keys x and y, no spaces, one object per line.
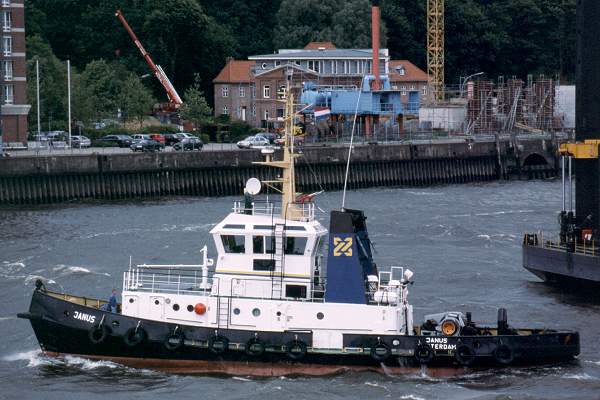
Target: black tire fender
{"x":380,"y":351}
{"x":464,"y":354}
{"x":98,"y":333}
{"x":178,"y":337}
{"x":295,"y":349}
{"x":255,"y":347}
{"x":504,"y":354}
{"x":424,"y":353}
{"x":134,"y":336}
{"x":218,"y":344}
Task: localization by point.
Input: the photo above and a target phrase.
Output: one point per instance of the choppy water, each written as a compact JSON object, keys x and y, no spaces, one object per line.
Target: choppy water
{"x":462,"y":241}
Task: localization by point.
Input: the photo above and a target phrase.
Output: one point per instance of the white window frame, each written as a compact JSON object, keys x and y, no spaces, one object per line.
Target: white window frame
{"x":254,"y":110}
{"x":8,"y":94}
{"x":7,"y":43}
{"x":225,"y":110}
{"x":225,"y":91}
{"x":403,"y":90}
{"x":424,"y":90}
{"x":266,"y":91}
{"x":266,"y":114}
{"x":8,"y":70}
{"x":242,"y":91}
{"x":253,"y":91}
{"x":5,"y":3}
{"x":6,"y":21}
{"x":346,"y":67}
{"x":277,"y":63}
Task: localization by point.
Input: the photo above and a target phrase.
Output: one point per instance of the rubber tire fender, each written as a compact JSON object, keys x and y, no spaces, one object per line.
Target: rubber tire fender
{"x":251,"y":347}
{"x":134,"y":336}
{"x":424,"y":353}
{"x":464,"y":354}
{"x":504,"y":354}
{"x":169,"y":345}
{"x":218,"y":339}
{"x":380,"y":357}
{"x":98,"y":333}
{"x":293,"y":355}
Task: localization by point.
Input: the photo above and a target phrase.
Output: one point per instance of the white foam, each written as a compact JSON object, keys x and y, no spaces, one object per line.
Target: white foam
{"x":34,"y":358}
{"x":581,"y":377}
{"x":239,"y":378}
{"x":73,"y":269}
{"x":30,"y":278}
{"x":592,"y":362}
{"x":86,"y":364}
{"x":411,"y":397}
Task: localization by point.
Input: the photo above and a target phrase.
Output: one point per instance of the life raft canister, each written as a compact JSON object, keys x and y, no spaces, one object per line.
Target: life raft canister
{"x":200,"y":309}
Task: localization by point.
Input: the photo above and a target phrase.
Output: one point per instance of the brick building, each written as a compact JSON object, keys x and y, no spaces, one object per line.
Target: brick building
{"x":13,"y":72}
{"x":320,"y":62}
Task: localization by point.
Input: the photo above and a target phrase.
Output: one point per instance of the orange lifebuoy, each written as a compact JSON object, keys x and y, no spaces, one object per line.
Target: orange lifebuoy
{"x":200,"y":308}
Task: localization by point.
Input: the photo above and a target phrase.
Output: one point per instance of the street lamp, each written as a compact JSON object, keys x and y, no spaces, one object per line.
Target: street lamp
{"x":465,"y":80}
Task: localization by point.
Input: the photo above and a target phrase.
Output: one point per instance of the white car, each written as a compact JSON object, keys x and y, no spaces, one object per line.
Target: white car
{"x":141,"y":137}
{"x":253,"y":142}
{"x":185,"y":135}
{"x":80,"y":142}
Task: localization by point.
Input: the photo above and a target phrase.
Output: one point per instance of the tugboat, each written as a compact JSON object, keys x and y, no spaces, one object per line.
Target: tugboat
{"x":268,"y":306}
{"x":572,"y":261}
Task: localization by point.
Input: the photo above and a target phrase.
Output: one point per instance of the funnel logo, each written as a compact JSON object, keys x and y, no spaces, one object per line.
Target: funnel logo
{"x":342,"y":247}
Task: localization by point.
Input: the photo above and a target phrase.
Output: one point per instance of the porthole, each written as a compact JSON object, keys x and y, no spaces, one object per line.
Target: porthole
{"x":156,"y":302}
{"x":256,"y":312}
{"x":190,"y":308}
{"x":320,"y":315}
{"x":279,"y":313}
{"x":168,"y":301}
{"x":236,"y":311}
{"x":175,"y":307}
{"x":115,"y":323}
{"x":67,"y":313}
{"x":131,"y":300}
{"x":264,"y":65}
{"x":395,"y":342}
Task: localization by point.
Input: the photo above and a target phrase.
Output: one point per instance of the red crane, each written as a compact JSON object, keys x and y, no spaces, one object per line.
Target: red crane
{"x":174,"y":98}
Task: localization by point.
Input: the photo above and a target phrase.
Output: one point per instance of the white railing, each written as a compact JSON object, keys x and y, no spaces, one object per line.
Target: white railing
{"x":306,"y":210}
{"x":170,"y":278}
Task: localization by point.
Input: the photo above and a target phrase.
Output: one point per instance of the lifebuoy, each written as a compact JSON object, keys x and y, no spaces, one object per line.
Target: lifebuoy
{"x":134,"y":336}
{"x":464,"y":354}
{"x":296,"y":349}
{"x":174,"y":341}
{"x":424,"y":353}
{"x":98,"y":333}
{"x":255,"y":347}
{"x":381,"y":351}
{"x":218,"y":344}
{"x":504,"y":354}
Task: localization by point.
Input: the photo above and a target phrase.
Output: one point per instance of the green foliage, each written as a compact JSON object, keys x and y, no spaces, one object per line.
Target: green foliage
{"x":134,"y":99}
{"x":195,"y":107}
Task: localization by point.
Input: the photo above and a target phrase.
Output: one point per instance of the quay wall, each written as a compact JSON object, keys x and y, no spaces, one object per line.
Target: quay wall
{"x":54,"y":179}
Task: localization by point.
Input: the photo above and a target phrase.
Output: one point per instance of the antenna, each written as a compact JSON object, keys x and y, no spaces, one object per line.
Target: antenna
{"x":350,"y":148}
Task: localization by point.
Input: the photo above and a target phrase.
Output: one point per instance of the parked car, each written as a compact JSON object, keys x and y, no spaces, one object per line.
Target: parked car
{"x":298,"y":141}
{"x":158,"y":137}
{"x":116,"y":140}
{"x":185,"y":135}
{"x":171,"y":138}
{"x":188,"y":144}
{"x":270,"y":136}
{"x":252,"y":142}
{"x":145,"y":145}
{"x":80,"y":142}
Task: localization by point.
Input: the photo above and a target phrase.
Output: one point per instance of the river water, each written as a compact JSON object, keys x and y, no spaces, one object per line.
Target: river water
{"x":463,"y":243}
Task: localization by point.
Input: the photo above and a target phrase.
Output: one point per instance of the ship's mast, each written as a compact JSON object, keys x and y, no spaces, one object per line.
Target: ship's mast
{"x":287,"y":181}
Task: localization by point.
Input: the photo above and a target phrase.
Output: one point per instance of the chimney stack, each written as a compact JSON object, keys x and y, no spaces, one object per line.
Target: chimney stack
{"x":375,"y":15}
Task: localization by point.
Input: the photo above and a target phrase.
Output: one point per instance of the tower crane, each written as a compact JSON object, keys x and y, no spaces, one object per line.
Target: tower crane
{"x":435,"y":48}
{"x":174,"y":100}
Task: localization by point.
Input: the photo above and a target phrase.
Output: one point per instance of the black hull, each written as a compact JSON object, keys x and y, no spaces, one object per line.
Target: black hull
{"x":58,"y":332}
{"x":559,"y":267}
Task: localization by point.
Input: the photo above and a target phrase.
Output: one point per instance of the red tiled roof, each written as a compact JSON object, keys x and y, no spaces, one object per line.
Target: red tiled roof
{"x":235,"y":71}
{"x":412,"y":73}
{"x":317,"y":45}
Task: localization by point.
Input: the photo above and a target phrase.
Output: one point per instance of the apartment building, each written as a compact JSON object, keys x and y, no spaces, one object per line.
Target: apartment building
{"x":13,"y":66}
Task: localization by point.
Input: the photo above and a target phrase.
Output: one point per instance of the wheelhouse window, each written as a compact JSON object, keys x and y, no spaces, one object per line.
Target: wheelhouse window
{"x":233,"y":243}
{"x":263,"y":265}
{"x":263,"y":245}
{"x":295,"y":245}
{"x":295,"y":291}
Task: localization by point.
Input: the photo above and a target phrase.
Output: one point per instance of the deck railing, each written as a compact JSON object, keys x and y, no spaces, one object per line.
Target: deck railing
{"x":585,"y":247}
{"x":307,"y":209}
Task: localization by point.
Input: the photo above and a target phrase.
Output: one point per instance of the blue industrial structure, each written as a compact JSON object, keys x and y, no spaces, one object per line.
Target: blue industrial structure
{"x":377,"y":103}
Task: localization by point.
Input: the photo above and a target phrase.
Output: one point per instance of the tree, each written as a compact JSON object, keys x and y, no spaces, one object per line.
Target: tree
{"x":135,"y":100}
{"x":195,"y":107}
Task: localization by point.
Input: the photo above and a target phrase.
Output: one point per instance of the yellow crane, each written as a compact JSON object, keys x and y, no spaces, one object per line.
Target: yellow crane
{"x":435,"y":48}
